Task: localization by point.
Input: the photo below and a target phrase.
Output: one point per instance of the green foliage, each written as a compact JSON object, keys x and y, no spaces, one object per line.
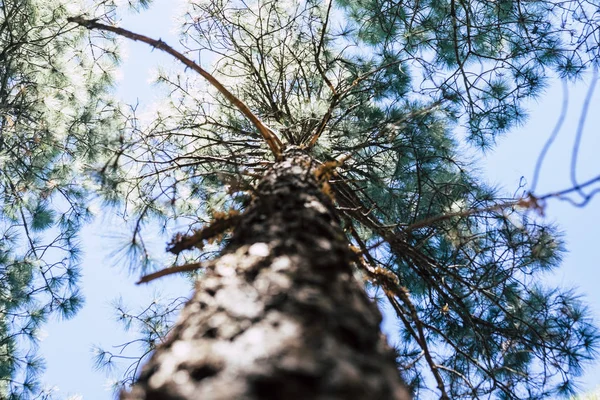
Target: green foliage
{"x":384,"y":83}
{"x":55,"y":120}
{"x":484,"y":56}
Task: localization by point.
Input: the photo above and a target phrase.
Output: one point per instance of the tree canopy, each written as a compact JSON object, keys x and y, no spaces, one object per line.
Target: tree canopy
{"x":385,"y":95}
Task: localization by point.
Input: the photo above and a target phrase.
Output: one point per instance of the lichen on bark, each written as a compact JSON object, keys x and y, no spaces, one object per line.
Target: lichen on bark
{"x":279,"y":315}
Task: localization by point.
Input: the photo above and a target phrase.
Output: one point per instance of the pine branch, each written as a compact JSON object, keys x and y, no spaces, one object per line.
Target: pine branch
{"x":267,"y":133}
{"x":170,"y":271}
{"x":391,"y":285}
{"x":217,"y":227}
{"x":561,"y":195}
{"x":524,"y":202}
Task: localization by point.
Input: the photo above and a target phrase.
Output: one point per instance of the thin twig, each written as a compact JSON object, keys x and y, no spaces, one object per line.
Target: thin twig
{"x":268,"y":135}
{"x":586,"y":198}
{"x":555,"y":131}
{"x":320,"y":46}
{"x":579,"y":133}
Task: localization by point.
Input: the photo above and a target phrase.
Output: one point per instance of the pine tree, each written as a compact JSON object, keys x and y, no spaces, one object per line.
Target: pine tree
{"x":323,"y":147}
{"x":54,"y":116}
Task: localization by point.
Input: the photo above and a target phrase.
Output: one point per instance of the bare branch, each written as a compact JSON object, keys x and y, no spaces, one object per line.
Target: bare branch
{"x":555,"y":131}
{"x":267,"y":133}
{"x":217,"y":227}
{"x":578,"y":188}
{"x":579,"y":133}
{"x":170,"y":271}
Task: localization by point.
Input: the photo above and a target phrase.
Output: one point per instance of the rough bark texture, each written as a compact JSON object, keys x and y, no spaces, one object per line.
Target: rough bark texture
{"x":279,"y":315}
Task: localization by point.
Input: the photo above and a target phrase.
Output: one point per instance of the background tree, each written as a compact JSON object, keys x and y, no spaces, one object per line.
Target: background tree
{"x":54,"y":117}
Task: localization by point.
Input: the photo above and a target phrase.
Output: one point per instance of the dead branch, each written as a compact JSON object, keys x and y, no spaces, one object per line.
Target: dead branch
{"x":170,"y":271}
{"x":217,"y":227}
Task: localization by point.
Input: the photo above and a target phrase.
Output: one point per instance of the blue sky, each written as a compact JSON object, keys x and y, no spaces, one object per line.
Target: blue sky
{"x":67,"y":347}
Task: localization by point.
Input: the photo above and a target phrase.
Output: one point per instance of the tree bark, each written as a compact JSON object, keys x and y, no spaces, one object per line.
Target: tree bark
{"x":279,"y":315}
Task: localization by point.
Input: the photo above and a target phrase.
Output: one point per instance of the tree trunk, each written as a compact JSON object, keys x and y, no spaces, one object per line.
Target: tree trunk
{"x":279,"y":315}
